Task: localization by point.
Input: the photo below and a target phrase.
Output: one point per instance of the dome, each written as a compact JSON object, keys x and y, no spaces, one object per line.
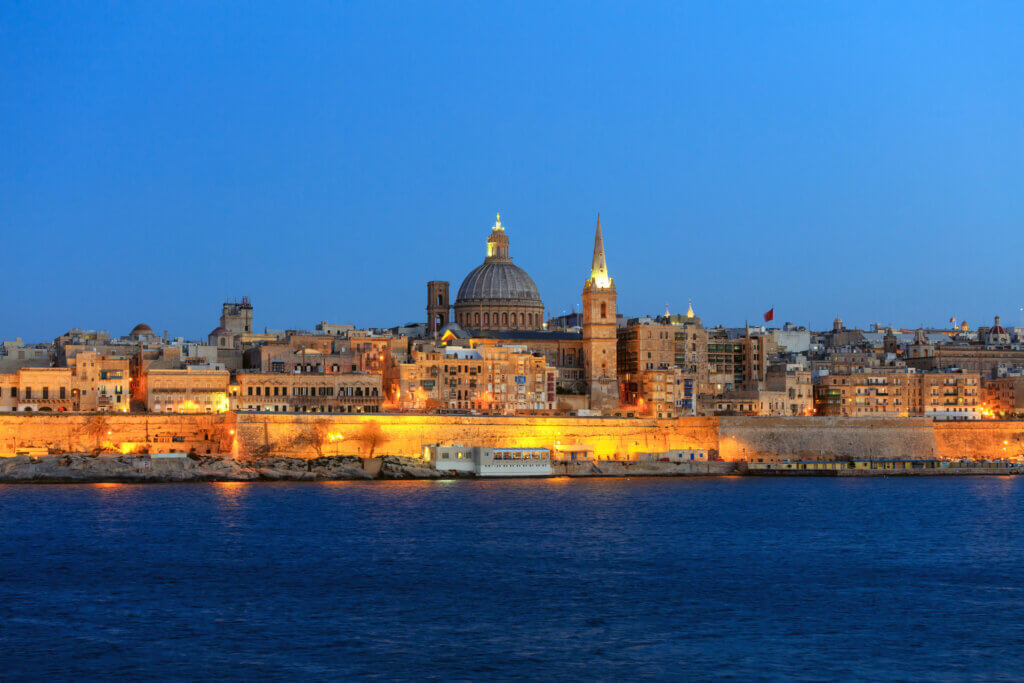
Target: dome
{"x":498,"y":280}
{"x":219,"y":331}
{"x":140,"y":330}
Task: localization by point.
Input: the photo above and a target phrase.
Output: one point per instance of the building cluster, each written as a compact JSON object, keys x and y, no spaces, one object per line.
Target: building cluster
{"x":493,"y":351}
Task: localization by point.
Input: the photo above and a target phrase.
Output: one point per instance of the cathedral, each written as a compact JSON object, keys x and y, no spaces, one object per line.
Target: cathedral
{"x":498,"y":302}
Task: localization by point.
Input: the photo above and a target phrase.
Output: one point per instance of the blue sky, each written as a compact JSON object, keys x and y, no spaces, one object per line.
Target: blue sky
{"x":326,"y":160}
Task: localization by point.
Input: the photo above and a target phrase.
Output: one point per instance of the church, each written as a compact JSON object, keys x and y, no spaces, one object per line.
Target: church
{"x":499,"y":303}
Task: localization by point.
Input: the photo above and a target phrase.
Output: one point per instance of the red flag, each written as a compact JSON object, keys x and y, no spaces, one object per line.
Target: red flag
{"x":770,"y":315}
{"x":952,"y":320}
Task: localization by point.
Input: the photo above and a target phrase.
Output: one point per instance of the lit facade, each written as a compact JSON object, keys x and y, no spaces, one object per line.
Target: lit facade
{"x":355,"y":392}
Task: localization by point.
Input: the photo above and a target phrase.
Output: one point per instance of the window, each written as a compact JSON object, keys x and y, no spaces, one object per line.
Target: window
{"x":604,"y":310}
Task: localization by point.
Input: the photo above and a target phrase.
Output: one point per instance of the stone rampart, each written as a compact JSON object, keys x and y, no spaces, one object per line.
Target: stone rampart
{"x":370,"y":435}
{"x":812,"y":438}
{"x":255,"y":435}
{"x":115,"y":433}
{"x":979,"y":440}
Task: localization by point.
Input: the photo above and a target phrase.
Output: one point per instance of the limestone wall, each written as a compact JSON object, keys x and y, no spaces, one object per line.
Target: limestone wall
{"x":979,"y":440}
{"x":369,"y":435}
{"x":110,"y":433}
{"x":733,"y":438}
{"x":774,"y":438}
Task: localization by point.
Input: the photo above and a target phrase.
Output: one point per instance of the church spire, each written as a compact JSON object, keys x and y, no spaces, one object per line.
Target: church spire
{"x":599,"y":267}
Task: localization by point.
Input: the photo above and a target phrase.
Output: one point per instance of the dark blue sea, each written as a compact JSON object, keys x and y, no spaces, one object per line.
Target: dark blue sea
{"x":903,"y":579}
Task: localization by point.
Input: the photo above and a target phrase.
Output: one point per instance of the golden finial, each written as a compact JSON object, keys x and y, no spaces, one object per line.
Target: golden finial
{"x":689,"y":309}
{"x":497,"y":222}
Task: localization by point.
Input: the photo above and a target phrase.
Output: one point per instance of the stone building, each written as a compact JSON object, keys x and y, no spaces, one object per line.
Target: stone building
{"x":899,"y":392}
{"x":236,"y":317}
{"x":345,"y":392}
{"x":37,"y":389}
{"x":738,"y":359}
{"x":16,"y":354}
{"x":652,"y":385}
{"x":193,"y":389}
{"x":93,"y":383}
{"x":100,"y":382}
{"x":487,"y":378}
{"x":1003,"y":395}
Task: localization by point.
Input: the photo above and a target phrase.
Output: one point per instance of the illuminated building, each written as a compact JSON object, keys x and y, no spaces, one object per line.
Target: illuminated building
{"x":488,"y":378}
{"x":1003,"y":396}
{"x":349,"y":392}
{"x":496,"y":295}
{"x":194,"y":389}
{"x":100,"y":382}
{"x":37,"y":389}
{"x":490,"y":461}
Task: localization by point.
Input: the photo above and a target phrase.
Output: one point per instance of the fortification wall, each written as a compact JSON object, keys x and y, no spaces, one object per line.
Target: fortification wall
{"x":777,"y":438}
{"x":368,"y":435}
{"x":248,"y":435}
{"x":979,"y":440}
{"x":122,"y":433}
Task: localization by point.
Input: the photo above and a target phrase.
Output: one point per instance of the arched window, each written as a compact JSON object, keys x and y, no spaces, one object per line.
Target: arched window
{"x":522,"y":320}
{"x":477,"y":318}
{"x":504,"y":319}
{"x":487,"y":318}
{"x":440,"y":301}
{"x":604,"y":310}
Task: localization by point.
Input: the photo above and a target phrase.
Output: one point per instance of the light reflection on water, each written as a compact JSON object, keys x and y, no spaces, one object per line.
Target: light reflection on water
{"x":597,"y":578}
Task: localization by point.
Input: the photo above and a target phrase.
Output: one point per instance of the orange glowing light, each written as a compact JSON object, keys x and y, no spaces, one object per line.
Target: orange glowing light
{"x":188,"y":407}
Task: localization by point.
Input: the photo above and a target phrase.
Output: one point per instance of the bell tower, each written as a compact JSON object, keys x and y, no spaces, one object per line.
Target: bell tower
{"x":600,"y":332}
{"x":437,"y":306}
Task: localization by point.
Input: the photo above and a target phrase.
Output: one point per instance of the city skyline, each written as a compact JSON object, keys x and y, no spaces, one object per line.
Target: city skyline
{"x":819,"y":162}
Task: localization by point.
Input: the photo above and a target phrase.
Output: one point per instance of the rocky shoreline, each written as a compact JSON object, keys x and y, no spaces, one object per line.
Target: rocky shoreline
{"x":165,"y":468}
{"x":85,"y":468}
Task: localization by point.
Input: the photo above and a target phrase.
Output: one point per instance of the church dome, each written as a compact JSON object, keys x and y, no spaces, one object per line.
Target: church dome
{"x":498,"y":280}
{"x":141,"y":330}
{"x":498,"y":294}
